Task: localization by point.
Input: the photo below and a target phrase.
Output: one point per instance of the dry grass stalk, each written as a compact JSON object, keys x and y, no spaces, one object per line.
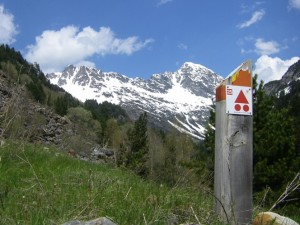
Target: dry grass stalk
{"x":290,"y":188}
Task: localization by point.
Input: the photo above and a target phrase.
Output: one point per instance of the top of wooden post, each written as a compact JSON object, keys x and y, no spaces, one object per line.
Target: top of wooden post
{"x":241,"y":76}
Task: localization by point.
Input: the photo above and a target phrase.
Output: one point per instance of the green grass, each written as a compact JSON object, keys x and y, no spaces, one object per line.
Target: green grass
{"x":43,"y":186}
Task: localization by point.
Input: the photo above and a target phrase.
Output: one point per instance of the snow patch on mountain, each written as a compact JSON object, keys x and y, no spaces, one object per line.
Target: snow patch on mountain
{"x":180,"y":99}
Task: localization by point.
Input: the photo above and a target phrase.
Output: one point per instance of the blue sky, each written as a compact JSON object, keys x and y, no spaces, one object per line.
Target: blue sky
{"x":138,"y":38}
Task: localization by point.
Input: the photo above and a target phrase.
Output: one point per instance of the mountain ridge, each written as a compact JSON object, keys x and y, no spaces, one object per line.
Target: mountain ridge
{"x":284,"y":84}
{"x":180,"y":99}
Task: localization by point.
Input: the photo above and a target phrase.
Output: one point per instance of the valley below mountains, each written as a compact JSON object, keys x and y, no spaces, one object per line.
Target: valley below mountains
{"x":180,"y":99}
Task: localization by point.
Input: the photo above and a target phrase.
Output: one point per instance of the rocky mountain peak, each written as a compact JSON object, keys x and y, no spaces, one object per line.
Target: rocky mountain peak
{"x":189,"y":68}
{"x":179,"y":99}
{"x":283,"y":85}
{"x":292,"y":74}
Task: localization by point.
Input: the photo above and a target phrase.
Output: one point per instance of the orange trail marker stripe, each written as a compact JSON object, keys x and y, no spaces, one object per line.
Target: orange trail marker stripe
{"x":221,"y":93}
{"x":242,"y":78}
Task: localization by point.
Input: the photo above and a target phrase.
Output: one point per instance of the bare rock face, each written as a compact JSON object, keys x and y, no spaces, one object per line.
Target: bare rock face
{"x":268,"y":218}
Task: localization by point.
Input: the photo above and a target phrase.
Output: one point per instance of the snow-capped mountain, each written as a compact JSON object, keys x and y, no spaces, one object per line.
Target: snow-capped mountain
{"x":179,"y":99}
{"x":275,"y":87}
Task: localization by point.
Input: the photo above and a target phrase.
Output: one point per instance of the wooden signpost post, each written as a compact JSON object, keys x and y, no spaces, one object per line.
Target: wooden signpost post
{"x":234,"y":147}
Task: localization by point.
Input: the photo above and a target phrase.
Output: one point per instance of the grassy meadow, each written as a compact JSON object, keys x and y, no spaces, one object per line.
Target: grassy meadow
{"x":40,"y":185}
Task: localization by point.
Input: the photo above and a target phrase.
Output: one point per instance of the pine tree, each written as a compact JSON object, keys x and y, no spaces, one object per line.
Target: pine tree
{"x":36,"y":89}
{"x":275,"y":155}
{"x":139,"y":146}
{"x":209,"y":138}
{"x":61,"y":106}
{"x":291,"y":100}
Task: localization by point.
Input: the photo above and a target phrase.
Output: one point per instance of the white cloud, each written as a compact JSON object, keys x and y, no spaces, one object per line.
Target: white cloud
{"x":8,"y":30}
{"x":86,"y":63}
{"x":266,"y":47}
{"x":162,"y":2}
{"x":294,"y":4}
{"x":245,"y":8}
{"x":182,"y":46}
{"x":268,"y":68}
{"x":256,"y":16}
{"x":54,"y":50}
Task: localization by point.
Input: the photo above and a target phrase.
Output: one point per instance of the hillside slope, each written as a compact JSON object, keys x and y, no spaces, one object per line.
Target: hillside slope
{"x":39,"y":185}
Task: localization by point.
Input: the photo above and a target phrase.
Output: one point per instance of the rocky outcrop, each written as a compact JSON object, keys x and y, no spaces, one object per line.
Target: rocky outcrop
{"x":104,"y":153}
{"x":23,"y":118}
{"x":53,"y":127}
{"x":96,"y":154}
{"x":5,"y":93}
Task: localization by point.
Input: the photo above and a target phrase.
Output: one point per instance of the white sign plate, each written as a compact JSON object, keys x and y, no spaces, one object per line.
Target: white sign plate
{"x":238,"y":100}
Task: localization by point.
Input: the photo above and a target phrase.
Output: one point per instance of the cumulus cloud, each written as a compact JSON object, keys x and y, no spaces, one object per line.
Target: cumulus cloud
{"x":268,"y":68}
{"x":256,"y":16}
{"x":8,"y":29}
{"x":294,"y":4}
{"x":266,"y":47}
{"x":54,"y":49}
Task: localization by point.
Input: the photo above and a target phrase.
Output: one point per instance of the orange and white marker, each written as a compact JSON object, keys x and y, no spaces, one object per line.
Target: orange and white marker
{"x":236,"y":90}
{"x":238,"y":100}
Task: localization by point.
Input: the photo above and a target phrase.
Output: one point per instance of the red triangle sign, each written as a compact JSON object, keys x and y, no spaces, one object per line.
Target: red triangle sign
{"x":241,"y":98}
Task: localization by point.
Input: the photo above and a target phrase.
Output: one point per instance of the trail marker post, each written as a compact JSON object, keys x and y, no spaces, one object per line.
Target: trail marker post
{"x":234,"y":147}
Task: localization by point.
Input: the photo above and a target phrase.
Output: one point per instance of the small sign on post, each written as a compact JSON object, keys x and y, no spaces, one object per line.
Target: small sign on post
{"x":234,"y":147}
{"x":238,"y":100}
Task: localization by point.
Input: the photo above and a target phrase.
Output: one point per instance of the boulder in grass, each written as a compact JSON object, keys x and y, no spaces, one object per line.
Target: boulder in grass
{"x":270,"y":218}
{"x":99,"y":221}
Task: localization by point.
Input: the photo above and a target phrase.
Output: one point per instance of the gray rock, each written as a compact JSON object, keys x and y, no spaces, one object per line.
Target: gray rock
{"x":102,"y":153}
{"x":99,"y":221}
